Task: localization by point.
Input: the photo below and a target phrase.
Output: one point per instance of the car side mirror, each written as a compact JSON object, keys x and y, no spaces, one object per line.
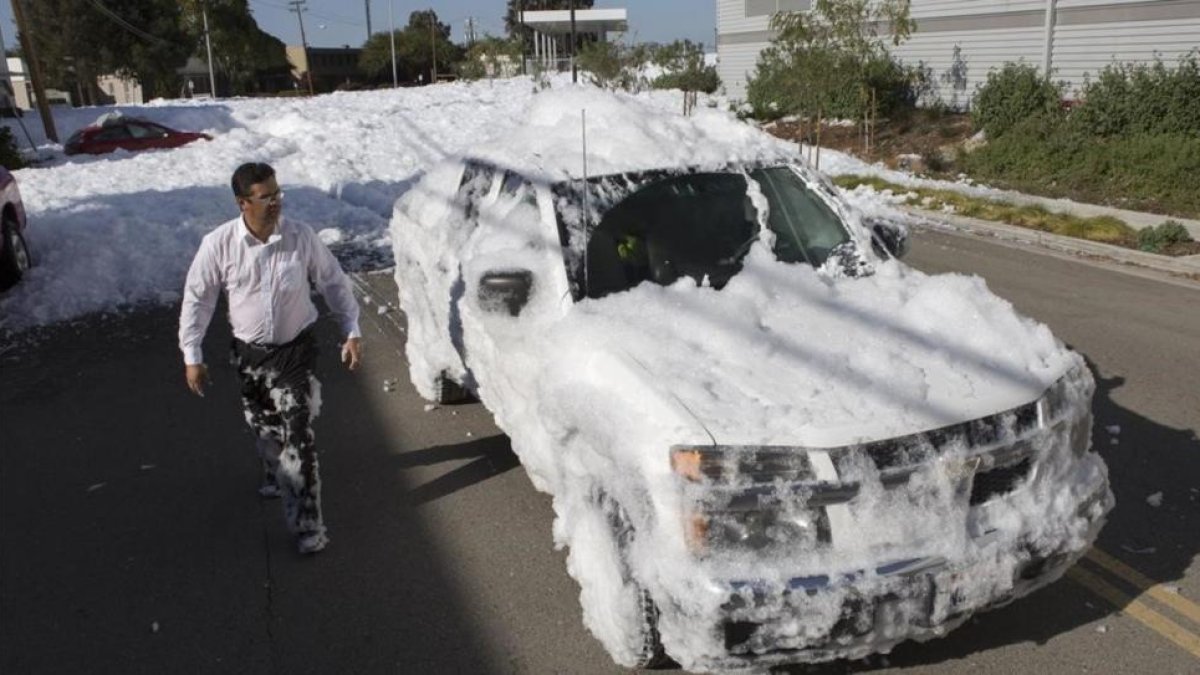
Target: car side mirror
{"x":505,"y":290}
{"x":888,"y":238}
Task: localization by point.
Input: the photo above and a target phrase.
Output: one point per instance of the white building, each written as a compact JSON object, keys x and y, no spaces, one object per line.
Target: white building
{"x":961,"y":40}
{"x":18,"y":77}
{"x":550,"y":32}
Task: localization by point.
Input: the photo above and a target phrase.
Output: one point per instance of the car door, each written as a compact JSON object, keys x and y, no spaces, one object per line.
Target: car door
{"x":108,"y":139}
{"x":144,"y":135}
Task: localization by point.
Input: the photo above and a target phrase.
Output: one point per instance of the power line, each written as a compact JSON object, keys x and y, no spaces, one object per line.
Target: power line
{"x":126,"y":25}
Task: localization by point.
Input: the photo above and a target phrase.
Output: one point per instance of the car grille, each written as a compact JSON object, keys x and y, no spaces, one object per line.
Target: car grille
{"x":999,"y":481}
{"x":898,"y":458}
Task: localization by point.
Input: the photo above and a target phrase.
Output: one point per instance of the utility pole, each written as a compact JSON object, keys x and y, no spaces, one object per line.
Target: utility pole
{"x":368,"y":4}
{"x":433,"y":44}
{"x":574,"y":68}
{"x":35,"y":70}
{"x":470,"y":32}
{"x":212,"y":79}
{"x":392,"y":36}
{"x":298,"y":8}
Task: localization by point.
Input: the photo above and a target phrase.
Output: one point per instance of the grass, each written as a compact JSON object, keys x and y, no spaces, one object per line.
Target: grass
{"x":1104,"y":229}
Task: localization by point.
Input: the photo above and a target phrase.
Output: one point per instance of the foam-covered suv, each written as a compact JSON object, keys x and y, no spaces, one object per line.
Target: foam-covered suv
{"x":767,"y":439}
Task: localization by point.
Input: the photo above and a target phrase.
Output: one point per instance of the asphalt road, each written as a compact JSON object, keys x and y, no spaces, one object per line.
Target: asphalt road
{"x":132,"y":539}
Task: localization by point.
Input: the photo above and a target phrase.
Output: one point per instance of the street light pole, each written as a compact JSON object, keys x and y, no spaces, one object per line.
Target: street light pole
{"x":392,"y":36}
{"x":212,"y":79}
{"x":368,"y":4}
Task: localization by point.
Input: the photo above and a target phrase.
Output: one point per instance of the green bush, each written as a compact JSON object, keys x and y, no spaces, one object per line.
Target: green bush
{"x":1155,"y":239}
{"x":10,"y":154}
{"x":1013,"y":94}
{"x":782,"y":85}
{"x":1049,"y":155}
{"x":1140,"y":98}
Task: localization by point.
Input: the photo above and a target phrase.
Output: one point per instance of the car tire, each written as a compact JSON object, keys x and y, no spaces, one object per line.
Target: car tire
{"x":16,"y":259}
{"x":449,"y":392}
{"x":651,"y":654}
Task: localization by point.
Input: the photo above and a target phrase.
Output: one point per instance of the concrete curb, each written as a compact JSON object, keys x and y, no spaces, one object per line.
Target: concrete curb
{"x":1188,"y":266}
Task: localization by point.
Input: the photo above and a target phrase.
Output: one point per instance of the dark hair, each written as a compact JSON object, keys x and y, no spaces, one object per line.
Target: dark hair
{"x":248,"y":174}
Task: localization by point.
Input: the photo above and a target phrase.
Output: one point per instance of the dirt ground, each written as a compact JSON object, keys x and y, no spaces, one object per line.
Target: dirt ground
{"x":924,"y":142}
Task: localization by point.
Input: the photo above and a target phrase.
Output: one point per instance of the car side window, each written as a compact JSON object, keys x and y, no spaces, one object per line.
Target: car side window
{"x":146,"y":131}
{"x":698,"y":225}
{"x":475,"y":184}
{"x":117,"y":132}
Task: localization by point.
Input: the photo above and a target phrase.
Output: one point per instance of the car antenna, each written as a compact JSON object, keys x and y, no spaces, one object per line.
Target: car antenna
{"x":587,"y":215}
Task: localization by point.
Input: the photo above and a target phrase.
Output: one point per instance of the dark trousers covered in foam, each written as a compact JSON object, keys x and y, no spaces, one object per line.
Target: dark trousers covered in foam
{"x":281,"y":397}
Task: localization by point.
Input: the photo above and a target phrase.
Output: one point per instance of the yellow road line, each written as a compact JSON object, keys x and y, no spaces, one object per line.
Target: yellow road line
{"x":1131,"y":607}
{"x":1145,"y":584}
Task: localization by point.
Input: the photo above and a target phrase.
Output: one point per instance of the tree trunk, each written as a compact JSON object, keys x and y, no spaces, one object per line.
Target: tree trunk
{"x":820,"y":122}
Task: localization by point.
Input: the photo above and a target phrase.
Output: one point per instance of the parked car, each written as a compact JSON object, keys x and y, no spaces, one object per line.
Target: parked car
{"x":129,"y":133}
{"x":767,"y":439}
{"x":15,"y":259}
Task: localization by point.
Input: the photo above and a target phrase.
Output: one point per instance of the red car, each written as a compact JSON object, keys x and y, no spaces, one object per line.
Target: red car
{"x":130,"y":133}
{"x":14,"y":253}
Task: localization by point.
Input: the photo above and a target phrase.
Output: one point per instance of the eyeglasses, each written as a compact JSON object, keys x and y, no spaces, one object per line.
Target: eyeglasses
{"x":273,"y":198}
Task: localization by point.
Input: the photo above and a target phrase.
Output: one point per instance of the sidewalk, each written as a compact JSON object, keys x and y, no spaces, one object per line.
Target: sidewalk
{"x":1187,"y":266}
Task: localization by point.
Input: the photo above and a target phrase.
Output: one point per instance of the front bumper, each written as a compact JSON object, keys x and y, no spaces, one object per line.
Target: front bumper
{"x":855,"y":614}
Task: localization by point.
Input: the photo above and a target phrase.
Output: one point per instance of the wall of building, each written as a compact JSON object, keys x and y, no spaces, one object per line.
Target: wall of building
{"x":123,"y":91}
{"x":960,"y":41}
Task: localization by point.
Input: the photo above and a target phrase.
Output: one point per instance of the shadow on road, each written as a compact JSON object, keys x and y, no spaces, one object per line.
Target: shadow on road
{"x":134,"y":541}
{"x":493,"y":456}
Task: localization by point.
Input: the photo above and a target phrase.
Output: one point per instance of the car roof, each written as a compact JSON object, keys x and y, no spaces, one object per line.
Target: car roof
{"x":625,"y":134}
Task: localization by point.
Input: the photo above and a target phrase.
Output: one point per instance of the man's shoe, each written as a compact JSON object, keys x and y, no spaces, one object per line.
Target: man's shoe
{"x":312,"y":542}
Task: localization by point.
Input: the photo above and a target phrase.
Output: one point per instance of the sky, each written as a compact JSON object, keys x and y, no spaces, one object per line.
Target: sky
{"x":333,"y":23}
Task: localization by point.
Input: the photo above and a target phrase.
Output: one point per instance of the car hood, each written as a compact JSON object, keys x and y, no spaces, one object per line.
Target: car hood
{"x":784,"y":355}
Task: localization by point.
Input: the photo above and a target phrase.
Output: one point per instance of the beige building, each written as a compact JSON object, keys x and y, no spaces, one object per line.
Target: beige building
{"x":331,"y":67}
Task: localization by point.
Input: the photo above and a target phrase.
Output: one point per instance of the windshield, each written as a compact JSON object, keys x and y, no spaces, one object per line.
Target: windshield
{"x":660,"y":227}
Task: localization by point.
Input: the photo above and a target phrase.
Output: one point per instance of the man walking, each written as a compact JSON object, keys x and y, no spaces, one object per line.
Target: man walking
{"x":265,"y":264}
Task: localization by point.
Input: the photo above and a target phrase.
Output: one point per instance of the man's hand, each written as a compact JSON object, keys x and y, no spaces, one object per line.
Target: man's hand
{"x":197,"y":378}
{"x":351,"y":352}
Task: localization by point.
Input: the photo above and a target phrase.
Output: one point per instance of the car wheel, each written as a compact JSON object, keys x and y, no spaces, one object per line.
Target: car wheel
{"x":16,"y":260}
{"x":451,"y":392}
{"x":645,"y":642}
{"x":653,"y":656}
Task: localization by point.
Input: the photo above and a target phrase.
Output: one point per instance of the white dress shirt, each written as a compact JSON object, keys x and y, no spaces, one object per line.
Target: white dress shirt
{"x":267,"y":286}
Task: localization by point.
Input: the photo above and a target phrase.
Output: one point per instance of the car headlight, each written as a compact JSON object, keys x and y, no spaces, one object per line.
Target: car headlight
{"x":753,"y":497}
{"x":757,"y":529}
{"x":1070,"y":392}
{"x":731,"y":464}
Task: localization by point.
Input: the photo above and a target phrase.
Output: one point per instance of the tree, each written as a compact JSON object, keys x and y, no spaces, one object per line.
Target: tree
{"x":683,"y":67}
{"x":414,"y":50}
{"x":834,"y":60}
{"x":148,"y":44}
{"x":67,"y":40}
{"x":491,"y":57}
{"x":612,"y":65}
{"x":78,"y":40}
{"x":242,"y":52}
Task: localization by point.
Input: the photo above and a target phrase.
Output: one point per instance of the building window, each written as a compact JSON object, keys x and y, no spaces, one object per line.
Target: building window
{"x":769,"y":7}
